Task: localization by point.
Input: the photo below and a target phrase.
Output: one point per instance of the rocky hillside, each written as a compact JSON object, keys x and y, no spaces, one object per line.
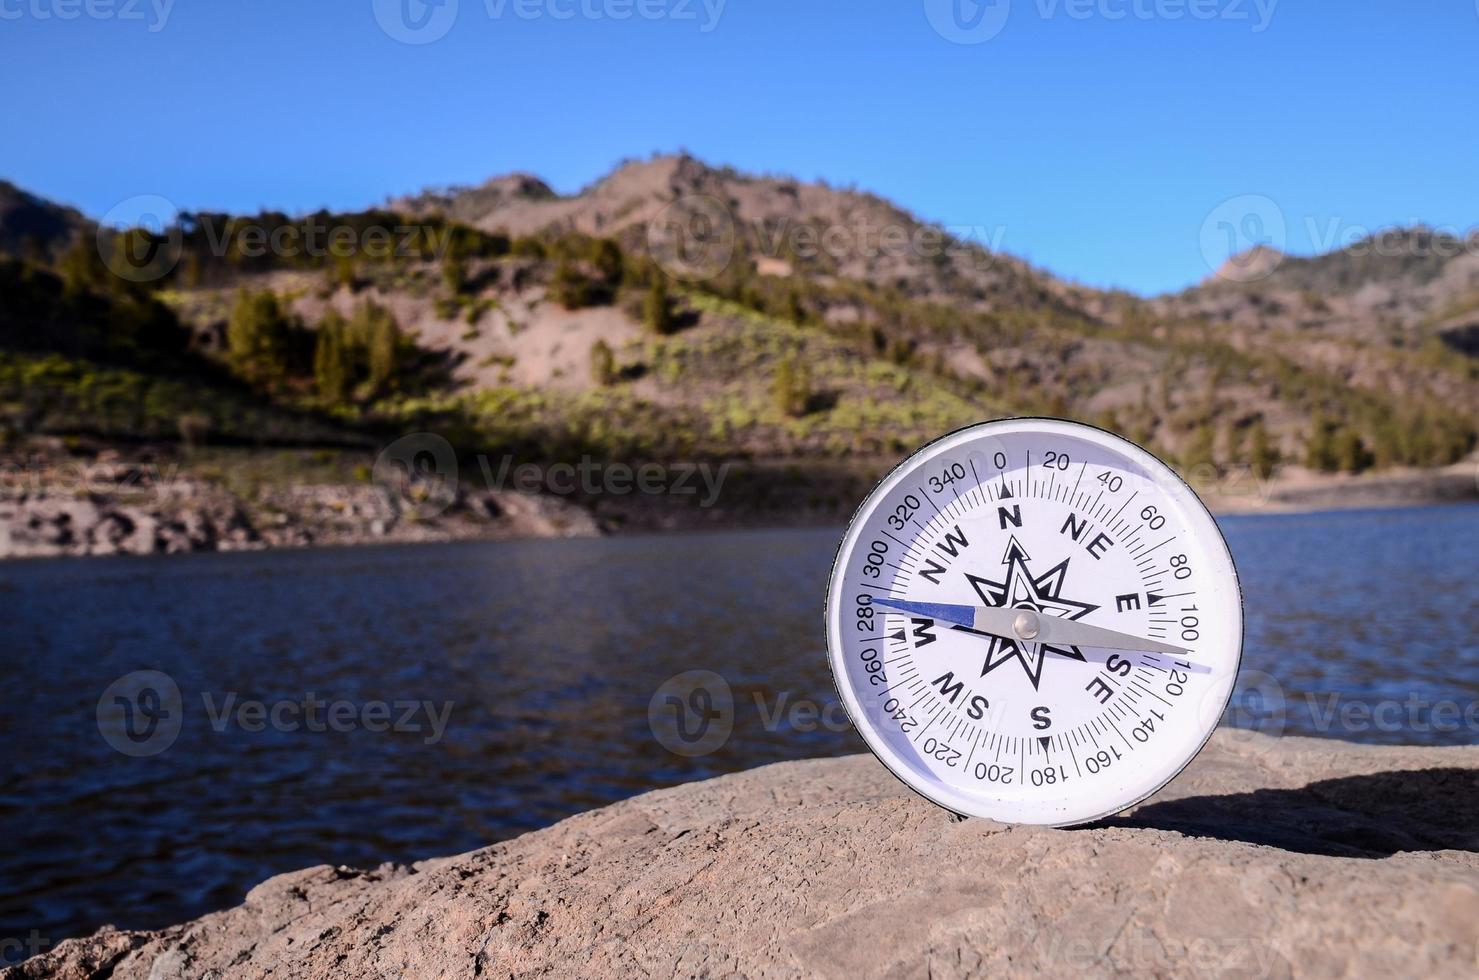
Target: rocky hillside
{"x":1371,"y":344}
{"x":737,"y":223}
{"x":1266,"y":858}
{"x":1402,"y":287}
{"x":1396,"y":311}
{"x":678,"y":310}
{"x":35,"y":227}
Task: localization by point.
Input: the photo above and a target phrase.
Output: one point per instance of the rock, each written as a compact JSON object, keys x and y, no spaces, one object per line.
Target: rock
{"x":543,"y":516}
{"x":188,"y":516}
{"x":112,"y":533}
{"x":1267,"y":857}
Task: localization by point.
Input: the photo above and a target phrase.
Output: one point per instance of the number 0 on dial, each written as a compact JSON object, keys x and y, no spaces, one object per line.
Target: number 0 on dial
{"x":1035,"y":621}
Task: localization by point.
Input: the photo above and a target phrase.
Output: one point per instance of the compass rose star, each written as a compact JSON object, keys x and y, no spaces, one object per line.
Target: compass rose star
{"x":1042,"y":594}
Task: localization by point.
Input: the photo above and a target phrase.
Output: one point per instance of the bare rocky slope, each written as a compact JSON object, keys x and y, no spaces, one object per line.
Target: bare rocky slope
{"x":824,"y":330}
{"x":189,"y":515}
{"x":781,"y":224}
{"x":1380,"y":328}
{"x":1399,"y":284}
{"x":1266,"y":858}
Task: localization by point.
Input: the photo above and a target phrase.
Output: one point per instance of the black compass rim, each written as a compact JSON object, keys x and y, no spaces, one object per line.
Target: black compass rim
{"x":1191,"y":492}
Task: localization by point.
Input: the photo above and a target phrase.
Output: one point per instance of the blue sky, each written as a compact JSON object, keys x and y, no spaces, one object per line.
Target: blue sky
{"x":1097,"y":138}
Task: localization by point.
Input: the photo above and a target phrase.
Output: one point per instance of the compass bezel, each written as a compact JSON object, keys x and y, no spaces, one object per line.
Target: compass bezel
{"x":1198,"y":511}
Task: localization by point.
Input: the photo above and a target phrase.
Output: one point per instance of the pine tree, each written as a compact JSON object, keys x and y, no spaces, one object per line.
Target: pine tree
{"x":791,"y":387}
{"x":454,"y":272}
{"x":795,"y":310}
{"x":344,"y":273}
{"x":1319,"y":452}
{"x":191,"y":273}
{"x":608,"y":262}
{"x":257,"y":334}
{"x":333,"y":359}
{"x":1262,"y":455}
{"x":603,"y":363}
{"x":1350,"y":451}
{"x":658,"y":309}
{"x":377,"y":331}
{"x":1235,"y":437}
{"x":570,"y":288}
{"x":1199,"y":452}
{"x":82,"y":267}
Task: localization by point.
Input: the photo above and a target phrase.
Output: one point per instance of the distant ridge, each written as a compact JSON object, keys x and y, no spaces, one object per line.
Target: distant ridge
{"x":888,"y":327}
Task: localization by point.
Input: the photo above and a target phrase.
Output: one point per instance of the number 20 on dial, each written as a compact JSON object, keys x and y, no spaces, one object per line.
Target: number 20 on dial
{"x":1035,"y":621}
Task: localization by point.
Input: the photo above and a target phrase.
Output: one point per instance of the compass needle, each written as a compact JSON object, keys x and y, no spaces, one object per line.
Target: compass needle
{"x":1012,"y":623}
{"x":1068,"y":632}
{"x":1016,"y":650}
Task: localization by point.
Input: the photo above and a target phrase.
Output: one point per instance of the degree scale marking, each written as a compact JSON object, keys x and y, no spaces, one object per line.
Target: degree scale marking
{"x":958,"y":507}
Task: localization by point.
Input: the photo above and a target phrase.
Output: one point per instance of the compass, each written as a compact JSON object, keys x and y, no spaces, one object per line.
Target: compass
{"x":1034,"y":620}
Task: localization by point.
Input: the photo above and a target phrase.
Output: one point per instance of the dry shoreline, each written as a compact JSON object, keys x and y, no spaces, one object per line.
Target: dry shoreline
{"x":1304,"y":492}
{"x":139,"y":514}
{"x":1266,"y":857}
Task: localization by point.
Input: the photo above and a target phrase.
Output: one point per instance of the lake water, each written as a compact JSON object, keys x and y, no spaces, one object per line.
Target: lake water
{"x":549,"y":653}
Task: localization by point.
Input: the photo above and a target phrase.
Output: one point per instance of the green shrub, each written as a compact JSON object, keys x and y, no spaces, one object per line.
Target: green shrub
{"x":1263,"y":456}
{"x":257,"y":338}
{"x":657,"y":309}
{"x":603,"y":363}
{"x":791,"y":387}
{"x":573,"y":289}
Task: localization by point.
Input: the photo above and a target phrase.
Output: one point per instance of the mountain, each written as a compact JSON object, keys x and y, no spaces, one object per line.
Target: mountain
{"x":1395,"y":313}
{"x":34,"y":226}
{"x":1400,"y":286}
{"x":1371,"y":336}
{"x":674,"y":309}
{"x":779,"y":225}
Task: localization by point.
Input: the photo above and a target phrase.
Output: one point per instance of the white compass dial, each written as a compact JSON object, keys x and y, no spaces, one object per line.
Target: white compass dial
{"x":1035,"y":621}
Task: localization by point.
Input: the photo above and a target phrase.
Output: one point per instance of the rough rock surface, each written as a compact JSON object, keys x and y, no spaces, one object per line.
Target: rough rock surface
{"x":1292,"y":857}
{"x":189,"y":515}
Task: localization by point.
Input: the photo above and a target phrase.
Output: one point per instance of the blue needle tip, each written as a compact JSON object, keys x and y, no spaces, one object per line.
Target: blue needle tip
{"x":942,"y":611}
